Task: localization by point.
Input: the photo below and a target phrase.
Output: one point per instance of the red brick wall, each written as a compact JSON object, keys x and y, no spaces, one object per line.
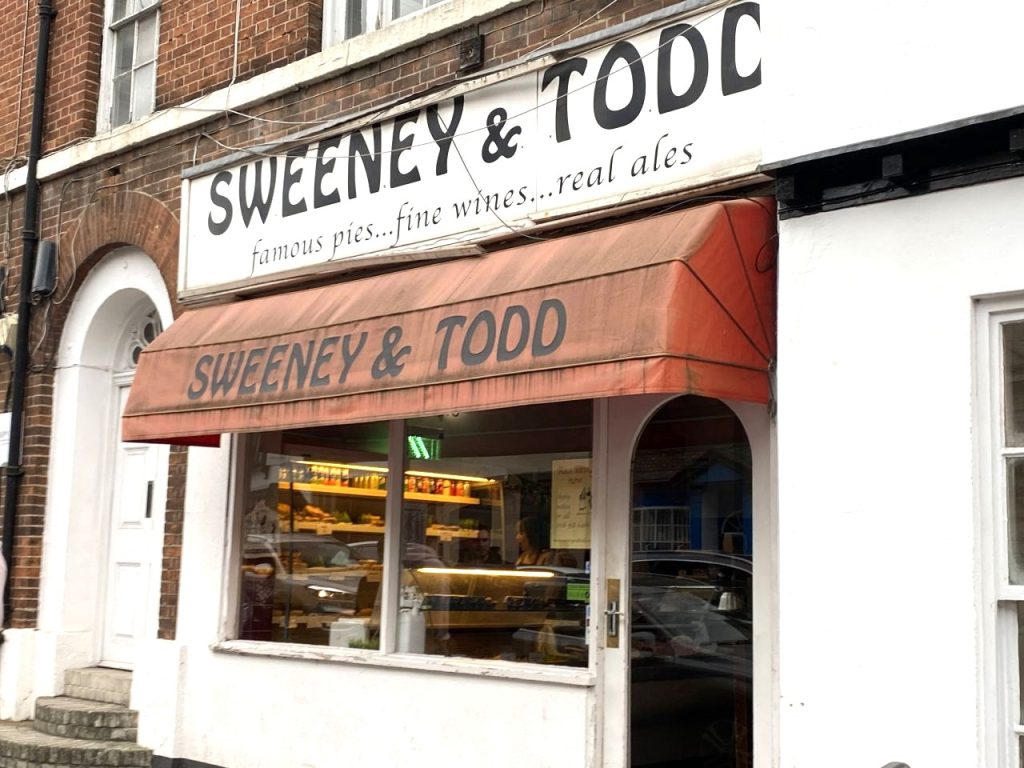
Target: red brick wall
{"x":17,"y":65}
{"x":195,"y":56}
{"x":135,"y":197}
{"x":197,"y":51}
{"x":73,"y":81}
{"x":72,"y":95}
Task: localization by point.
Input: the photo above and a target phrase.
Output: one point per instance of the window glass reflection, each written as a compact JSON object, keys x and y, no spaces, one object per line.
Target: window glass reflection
{"x":1015,"y":518}
{"x":494,"y":547}
{"x":1013,"y":383}
{"x":511,"y":577}
{"x":312,"y":537}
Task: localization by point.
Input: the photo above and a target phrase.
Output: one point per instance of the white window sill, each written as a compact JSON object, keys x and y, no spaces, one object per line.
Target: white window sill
{"x":458,"y":666}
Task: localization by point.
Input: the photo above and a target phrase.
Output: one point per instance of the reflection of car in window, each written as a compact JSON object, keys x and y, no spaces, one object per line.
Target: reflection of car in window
{"x":415,"y":554}
{"x":312,"y":574}
{"x":691,"y":651}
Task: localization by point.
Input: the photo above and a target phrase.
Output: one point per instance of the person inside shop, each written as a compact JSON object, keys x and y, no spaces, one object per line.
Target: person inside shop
{"x":480,"y":549}
{"x":532,"y":538}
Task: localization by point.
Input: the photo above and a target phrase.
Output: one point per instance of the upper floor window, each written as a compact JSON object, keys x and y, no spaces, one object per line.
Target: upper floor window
{"x":130,"y":61}
{"x":348,"y":18}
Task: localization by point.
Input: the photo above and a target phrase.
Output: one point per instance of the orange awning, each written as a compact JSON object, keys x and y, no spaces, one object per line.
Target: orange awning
{"x":676,"y":303}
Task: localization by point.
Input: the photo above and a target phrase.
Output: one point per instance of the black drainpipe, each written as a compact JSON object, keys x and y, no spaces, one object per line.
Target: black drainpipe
{"x":29,"y":237}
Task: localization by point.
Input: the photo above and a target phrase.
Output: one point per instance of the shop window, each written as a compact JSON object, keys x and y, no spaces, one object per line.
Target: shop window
{"x":312,"y":536}
{"x":494,"y":536}
{"x":349,"y":18}
{"x":130,"y":47}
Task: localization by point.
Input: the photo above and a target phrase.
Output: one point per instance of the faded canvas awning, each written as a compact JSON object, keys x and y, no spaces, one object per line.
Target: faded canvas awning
{"x":681,"y":302}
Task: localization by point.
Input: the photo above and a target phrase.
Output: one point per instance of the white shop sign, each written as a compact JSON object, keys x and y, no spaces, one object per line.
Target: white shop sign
{"x":671,"y":108}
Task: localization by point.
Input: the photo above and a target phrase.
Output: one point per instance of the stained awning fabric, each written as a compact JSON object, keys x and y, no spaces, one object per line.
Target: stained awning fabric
{"x":676,"y":303}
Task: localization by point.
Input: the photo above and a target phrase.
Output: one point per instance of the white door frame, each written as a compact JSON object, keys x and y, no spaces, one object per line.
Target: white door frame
{"x":619,"y":423}
{"x":74,"y":540}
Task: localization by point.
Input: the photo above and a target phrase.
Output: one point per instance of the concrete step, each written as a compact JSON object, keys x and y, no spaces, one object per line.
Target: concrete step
{"x":85,"y":719}
{"x":21,"y":746}
{"x":98,"y":684}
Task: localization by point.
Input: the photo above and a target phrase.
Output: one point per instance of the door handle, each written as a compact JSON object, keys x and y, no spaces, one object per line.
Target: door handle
{"x":612,"y":614}
{"x":149,"y":499}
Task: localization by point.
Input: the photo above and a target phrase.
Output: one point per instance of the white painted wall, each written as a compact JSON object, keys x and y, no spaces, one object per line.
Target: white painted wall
{"x":296,"y":714}
{"x":879,"y":653}
{"x":840,"y":73}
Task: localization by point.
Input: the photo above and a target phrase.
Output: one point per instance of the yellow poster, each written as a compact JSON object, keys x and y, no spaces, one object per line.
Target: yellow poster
{"x":570,"y":504}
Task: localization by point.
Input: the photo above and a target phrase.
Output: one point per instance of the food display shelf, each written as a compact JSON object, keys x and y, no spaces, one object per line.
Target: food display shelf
{"x":376,"y":493}
{"x":325,"y":528}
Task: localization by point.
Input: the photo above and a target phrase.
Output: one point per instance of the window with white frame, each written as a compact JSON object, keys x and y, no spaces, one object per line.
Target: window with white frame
{"x":493,"y":527}
{"x":349,"y":18}
{"x":1002,"y":377}
{"x":130,"y":61}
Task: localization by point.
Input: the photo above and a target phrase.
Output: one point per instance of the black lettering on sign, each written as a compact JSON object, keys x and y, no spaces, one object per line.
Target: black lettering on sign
{"x":562,"y":72}
{"x":607,"y":117}
{"x":321,"y":171}
{"x":323,"y":357}
{"x":668,"y":99}
{"x":499,"y":142}
{"x":259,"y":200}
{"x":300,"y":363}
{"x":443,"y":137}
{"x":732,"y":81}
{"x":399,"y":145}
{"x":222,"y":202}
{"x":200,"y":377}
{"x":390,"y":360}
{"x":225,"y":372}
{"x":357,"y":148}
{"x":448,"y":325}
{"x":506,"y":352}
{"x":557,"y":332}
{"x":247,"y":385}
{"x":273,"y":363}
{"x":484,"y":319}
{"x":485,"y":338}
{"x":292,"y":176}
{"x":349,"y":355}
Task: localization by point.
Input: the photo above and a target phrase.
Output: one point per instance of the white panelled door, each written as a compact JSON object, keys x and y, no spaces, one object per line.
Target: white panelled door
{"x":132,"y":569}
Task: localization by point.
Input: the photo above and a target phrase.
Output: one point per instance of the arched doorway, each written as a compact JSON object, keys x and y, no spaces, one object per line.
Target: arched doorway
{"x":691,"y":589}
{"x":687,"y":501}
{"x":106,"y":499}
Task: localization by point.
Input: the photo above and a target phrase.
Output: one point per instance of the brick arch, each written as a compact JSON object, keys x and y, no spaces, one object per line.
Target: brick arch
{"x":119,"y":218}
